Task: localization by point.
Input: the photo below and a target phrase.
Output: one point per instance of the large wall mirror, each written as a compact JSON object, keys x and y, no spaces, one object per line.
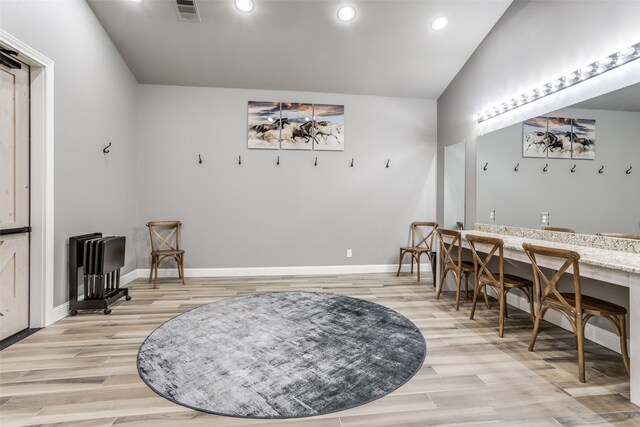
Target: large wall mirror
{"x":454,"y":185}
{"x":580,"y":164}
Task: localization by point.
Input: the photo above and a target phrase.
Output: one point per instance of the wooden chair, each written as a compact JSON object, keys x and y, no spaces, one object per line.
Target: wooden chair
{"x":165,"y":242}
{"x":452,"y":264}
{"x":500,"y":282}
{"x":620,"y":235}
{"x":575,"y":307}
{"x":559,"y":229}
{"x":423,"y":245}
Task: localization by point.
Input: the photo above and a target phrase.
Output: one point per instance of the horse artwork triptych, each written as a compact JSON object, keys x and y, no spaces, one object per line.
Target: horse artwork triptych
{"x":559,"y":138}
{"x":295,"y":126}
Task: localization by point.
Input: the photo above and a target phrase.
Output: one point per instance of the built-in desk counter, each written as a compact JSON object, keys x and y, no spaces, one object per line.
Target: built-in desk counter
{"x":625,"y":262}
{"x":621,"y":267}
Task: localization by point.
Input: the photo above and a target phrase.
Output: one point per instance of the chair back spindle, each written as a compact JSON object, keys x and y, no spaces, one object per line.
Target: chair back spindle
{"x":164,"y":235}
{"x":481,"y":263}
{"x":422,"y":234}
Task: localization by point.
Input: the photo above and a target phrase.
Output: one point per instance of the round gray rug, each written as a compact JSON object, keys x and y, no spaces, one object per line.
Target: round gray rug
{"x":281,"y":355}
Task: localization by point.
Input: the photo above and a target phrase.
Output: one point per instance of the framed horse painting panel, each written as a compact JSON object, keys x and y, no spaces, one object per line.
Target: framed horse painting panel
{"x":584,"y":139}
{"x":264,"y":125}
{"x":560,"y":136}
{"x":297,"y":126}
{"x":534,"y":137}
{"x":328,"y":127}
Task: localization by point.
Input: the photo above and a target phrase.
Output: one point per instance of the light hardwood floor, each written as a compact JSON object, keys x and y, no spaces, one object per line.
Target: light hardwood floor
{"x":82,"y":370}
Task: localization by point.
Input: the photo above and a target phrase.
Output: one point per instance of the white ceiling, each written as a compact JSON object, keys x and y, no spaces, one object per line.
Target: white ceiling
{"x":389,"y":49}
{"x":626,"y":99}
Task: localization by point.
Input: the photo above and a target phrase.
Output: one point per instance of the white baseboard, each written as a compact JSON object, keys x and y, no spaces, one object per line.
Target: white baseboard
{"x":593,"y":333}
{"x":283,"y":271}
{"x":62,"y":311}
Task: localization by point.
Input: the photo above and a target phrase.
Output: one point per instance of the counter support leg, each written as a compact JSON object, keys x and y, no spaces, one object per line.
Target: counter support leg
{"x":634,"y":338}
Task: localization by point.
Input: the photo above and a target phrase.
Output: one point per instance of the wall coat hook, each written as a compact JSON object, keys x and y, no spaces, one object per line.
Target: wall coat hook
{"x":351,"y":162}
{"x":278,"y":161}
{"x":105,"y":150}
{"x":387,"y":166}
{"x":628,"y":171}
{"x":601,"y":169}
{"x":573,"y":169}
{"x":485,"y":166}
{"x":239,"y":160}
{"x":516,"y":168}
{"x":199,"y":159}
{"x":546,"y":167}
{"x":316,"y":162}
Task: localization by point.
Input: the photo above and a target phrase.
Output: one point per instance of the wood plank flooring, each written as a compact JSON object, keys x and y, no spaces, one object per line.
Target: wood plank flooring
{"x":81,"y":371}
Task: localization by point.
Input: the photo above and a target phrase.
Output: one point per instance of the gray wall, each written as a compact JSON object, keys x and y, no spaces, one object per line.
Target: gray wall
{"x":585,"y":200}
{"x":295,"y":214}
{"x":453,"y":185}
{"x":95,"y":102}
{"x":529,"y":45}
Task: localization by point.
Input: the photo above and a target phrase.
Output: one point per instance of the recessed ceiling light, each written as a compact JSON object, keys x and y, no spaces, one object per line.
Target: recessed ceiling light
{"x":347,"y":13}
{"x":439,"y":23}
{"x":244,"y":5}
{"x":136,"y":1}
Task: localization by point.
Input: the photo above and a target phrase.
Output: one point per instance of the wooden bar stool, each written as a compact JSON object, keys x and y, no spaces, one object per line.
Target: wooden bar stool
{"x":422,"y":233}
{"x":456,"y":265}
{"x":575,"y":307}
{"x":500,"y":282}
{"x":559,"y":229}
{"x":165,"y":242}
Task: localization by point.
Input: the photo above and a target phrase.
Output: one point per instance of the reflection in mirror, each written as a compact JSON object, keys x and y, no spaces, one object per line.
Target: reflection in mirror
{"x":583,"y":175}
{"x":454,"y":185}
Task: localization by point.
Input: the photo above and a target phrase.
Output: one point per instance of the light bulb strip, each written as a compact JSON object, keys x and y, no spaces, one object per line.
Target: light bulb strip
{"x":597,"y":68}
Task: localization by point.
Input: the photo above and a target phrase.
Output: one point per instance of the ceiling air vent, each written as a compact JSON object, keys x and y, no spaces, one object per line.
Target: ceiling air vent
{"x":187,"y":10}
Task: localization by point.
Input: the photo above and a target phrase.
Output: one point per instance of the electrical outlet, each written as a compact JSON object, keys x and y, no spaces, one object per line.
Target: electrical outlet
{"x":544,"y":218}
{"x":349,"y":253}
{"x":492,"y":215}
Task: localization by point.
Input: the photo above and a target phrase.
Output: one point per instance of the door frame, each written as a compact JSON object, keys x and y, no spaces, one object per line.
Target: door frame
{"x":41,"y":246}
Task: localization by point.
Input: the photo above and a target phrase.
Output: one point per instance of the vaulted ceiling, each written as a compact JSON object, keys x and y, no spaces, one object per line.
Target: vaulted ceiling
{"x":390,"y":48}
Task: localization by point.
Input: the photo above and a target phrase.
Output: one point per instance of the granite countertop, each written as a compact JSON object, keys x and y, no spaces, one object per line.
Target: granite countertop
{"x":617,"y":260}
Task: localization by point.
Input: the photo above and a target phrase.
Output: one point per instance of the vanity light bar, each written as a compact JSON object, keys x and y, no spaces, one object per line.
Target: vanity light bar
{"x":607,"y":63}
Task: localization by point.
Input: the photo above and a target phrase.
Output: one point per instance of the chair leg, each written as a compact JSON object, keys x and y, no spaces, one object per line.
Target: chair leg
{"x":503,"y":312}
{"x":623,"y":342}
{"x":486,"y":298}
{"x":402,"y":253}
{"x":531,"y":312}
{"x":155,"y":280}
{"x":506,"y":306}
{"x":619,"y":323}
{"x":153,"y":259}
{"x":536,"y":325}
{"x":181,"y":269}
{"x":443,"y":275}
{"x":580,"y":345}
{"x":418,"y":266}
{"x":458,"y":285}
{"x":466,"y":283}
{"x":412,"y":260}
{"x":177,"y":260}
{"x":476,"y":291}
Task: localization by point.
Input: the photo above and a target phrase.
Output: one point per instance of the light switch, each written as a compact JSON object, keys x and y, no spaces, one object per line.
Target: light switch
{"x":492,"y":215}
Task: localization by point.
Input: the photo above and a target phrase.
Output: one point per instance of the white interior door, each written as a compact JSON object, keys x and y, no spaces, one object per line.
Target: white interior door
{"x":14,"y":199}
